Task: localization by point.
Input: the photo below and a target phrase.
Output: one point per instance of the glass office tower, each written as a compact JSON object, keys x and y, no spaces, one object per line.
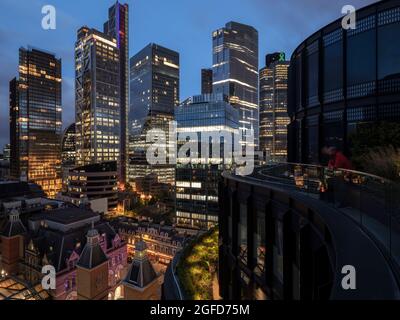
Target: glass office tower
{"x":206,"y":81}
{"x":35,"y":120}
{"x":97,"y":97}
{"x":344,"y":80}
{"x":68,"y":152}
{"x":235,"y":71}
{"x":154,"y":93}
{"x":118,"y":27}
{"x":197,"y":177}
{"x":273,"y":108}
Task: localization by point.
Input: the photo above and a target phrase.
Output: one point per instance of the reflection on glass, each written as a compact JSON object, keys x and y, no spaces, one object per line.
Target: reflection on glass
{"x":361,"y":58}
{"x":259,"y":244}
{"x":312,"y":81}
{"x":333,"y":64}
{"x":242,"y":236}
{"x":389,"y":51}
{"x":278,"y":251}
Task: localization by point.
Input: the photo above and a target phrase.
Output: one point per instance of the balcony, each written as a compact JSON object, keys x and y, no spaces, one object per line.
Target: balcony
{"x":372,"y":202}
{"x":289,"y":230}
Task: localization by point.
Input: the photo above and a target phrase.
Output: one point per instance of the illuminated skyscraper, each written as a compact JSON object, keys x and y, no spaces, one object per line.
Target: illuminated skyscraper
{"x":68,"y":152}
{"x":202,"y":118}
{"x":97,"y":97}
{"x":35,"y":120}
{"x":235,"y":71}
{"x":273,"y":107}
{"x":154,"y":93}
{"x":7,"y":152}
{"x":118,"y":27}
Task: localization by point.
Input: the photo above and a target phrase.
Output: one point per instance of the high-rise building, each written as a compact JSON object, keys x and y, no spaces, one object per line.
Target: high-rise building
{"x":206,"y":81}
{"x":343,"y":80}
{"x":118,"y":27}
{"x":97,"y":96}
{"x":93,"y":182}
{"x":154,"y":93}
{"x":7,"y":152}
{"x":273,"y":107}
{"x":35,"y":120}
{"x":201,"y":118}
{"x":235,"y":71}
{"x":68,"y":152}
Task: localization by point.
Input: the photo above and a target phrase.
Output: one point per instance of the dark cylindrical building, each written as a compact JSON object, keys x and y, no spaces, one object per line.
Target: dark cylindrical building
{"x":341,"y":78}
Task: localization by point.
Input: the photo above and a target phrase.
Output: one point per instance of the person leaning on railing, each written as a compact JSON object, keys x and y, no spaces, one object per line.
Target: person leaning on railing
{"x":337,"y":160}
{"x":338,"y":176}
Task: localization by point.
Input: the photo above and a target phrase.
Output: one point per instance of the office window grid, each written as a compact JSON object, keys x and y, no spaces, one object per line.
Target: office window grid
{"x":389,"y":16}
{"x":363,"y":25}
{"x":389,"y":85}
{"x":332,"y":37}
{"x":390,"y":111}
{"x":328,"y":40}
{"x":361,"y":90}
{"x":312,"y":48}
{"x":312,"y":121}
{"x":333,"y":116}
{"x":333,"y":96}
{"x":312,"y":101}
{"x":365,"y":113}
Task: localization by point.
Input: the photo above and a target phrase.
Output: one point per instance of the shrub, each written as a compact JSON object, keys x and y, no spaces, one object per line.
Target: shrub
{"x":197,"y":264}
{"x":375,"y":148}
{"x":383,"y":162}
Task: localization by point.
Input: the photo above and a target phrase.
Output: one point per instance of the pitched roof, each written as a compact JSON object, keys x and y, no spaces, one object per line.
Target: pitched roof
{"x":65,"y":243}
{"x":141,"y":273}
{"x":13,"y":228}
{"x":92,"y":256}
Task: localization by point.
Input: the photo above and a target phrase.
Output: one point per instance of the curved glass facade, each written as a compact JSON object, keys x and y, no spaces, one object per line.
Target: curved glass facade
{"x":340,"y":78}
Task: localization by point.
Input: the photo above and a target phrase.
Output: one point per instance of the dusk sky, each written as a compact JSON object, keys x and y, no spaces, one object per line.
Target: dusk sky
{"x":182,"y":25}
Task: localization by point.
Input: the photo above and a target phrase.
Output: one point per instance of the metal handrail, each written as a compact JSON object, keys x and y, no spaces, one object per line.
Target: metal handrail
{"x":371,"y":201}
{"x":337,"y":169}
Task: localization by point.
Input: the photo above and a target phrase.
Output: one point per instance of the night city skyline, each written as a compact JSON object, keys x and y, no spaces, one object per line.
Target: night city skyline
{"x":21,"y":26}
{"x":217,"y":152}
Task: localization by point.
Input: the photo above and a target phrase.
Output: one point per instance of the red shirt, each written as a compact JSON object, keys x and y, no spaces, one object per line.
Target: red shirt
{"x":340,"y":161}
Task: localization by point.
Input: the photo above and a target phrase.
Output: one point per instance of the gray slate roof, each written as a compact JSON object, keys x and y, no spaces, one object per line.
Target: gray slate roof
{"x":13,"y":228}
{"x":141,"y":273}
{"x":92,"y":256}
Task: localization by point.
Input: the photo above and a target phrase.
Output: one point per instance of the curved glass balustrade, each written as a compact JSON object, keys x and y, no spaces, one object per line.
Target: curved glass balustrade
{"x":372,"y":202}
